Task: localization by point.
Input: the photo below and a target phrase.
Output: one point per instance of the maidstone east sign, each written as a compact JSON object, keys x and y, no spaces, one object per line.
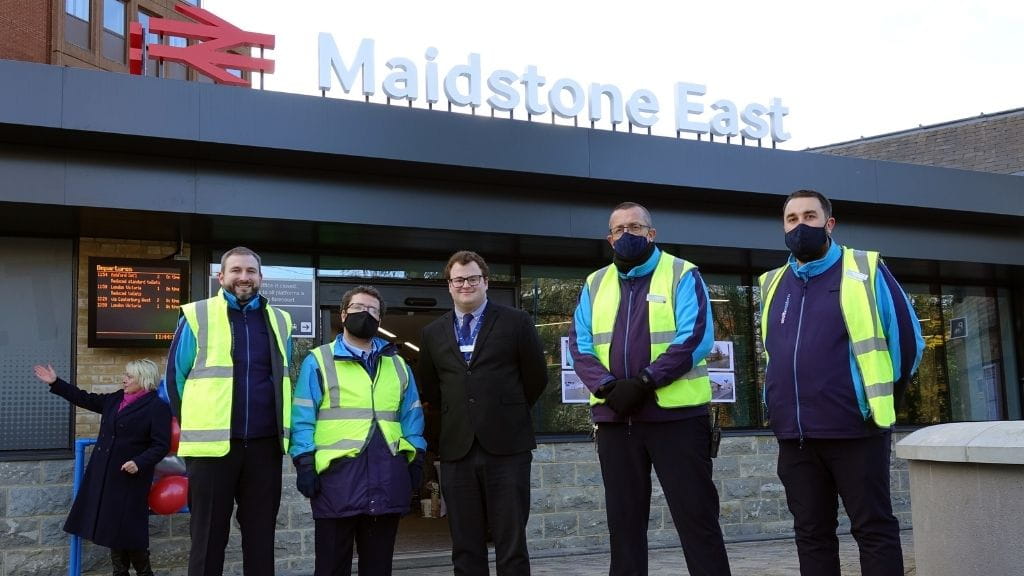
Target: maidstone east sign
{"x":219,"y":47}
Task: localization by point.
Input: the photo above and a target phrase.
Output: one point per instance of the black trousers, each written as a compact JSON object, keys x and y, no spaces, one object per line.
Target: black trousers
{"x":374,"y":538}
{"x":679,"y":452}
{"x":249,"y":474}
{"x":485,"y":490}
{"x":857,"y":470}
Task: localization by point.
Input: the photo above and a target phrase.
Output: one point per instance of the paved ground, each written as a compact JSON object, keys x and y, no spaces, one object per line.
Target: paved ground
{"x":765,"y":558}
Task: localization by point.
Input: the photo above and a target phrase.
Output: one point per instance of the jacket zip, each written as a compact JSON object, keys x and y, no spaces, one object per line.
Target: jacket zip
{"x":248,"y":362}
{"x":796,"y":353}
{"x":625,"y":355}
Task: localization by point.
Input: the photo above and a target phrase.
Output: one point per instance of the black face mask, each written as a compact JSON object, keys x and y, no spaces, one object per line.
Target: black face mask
{"x":807,"y":243}
{"x":361,"y":325}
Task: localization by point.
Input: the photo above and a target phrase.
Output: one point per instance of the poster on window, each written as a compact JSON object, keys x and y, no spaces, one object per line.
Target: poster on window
{"x":720,"y":357}
{"x":573,"y":389}
{"x":723,"y":386}
{"x":957,"y":328}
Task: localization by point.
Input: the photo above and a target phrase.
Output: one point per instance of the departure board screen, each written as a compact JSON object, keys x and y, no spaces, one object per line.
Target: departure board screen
{"x":134,"y":302}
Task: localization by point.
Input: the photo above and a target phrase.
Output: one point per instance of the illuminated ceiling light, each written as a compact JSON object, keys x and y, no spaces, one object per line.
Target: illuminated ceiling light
{"x":554,"y":323}
{"x":411,"y":345}
{"x":386,"y":333}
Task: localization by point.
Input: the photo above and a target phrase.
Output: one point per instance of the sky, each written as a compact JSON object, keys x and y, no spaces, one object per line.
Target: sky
{"x":844,"y":70}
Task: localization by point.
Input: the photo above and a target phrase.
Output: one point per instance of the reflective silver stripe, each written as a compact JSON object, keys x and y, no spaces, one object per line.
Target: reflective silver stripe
{"x":662,"y":337}
{"x":286,"y":432}
{"x":202,"y":337}
{"x":403,"y":375}
{"x":860,"y":257}
{"x":342,"y":445}
{"x":387,"y":416}
{"x":879,"y":390}
{"x":211,"y":372}
{"x":595,"y":284}
{"x":393,"y":447}
{"x":337,"y":413}
{"x":870,"y":345}
{"x":769,"y":280}
{"x":602,"y":338}
{"x":304,"y":402}
{"x":282,"y":326}
{"x":677,"y":277}
{"x":330,"y":376}
{"x":205,"y":435}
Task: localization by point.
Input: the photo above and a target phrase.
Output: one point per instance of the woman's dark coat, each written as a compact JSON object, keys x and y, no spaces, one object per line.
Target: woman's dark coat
{"x":112,"y":507}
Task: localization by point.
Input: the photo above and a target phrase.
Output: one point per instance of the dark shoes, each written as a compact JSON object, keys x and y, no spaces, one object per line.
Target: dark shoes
{"x":121,"y":560}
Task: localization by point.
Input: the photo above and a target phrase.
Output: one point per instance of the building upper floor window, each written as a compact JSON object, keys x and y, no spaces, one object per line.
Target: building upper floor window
{"x":113,"y":44}
{"x":76,"y":22}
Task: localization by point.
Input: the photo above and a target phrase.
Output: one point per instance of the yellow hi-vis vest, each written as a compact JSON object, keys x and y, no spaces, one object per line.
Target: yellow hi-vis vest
{"x":692,"y":388}
{"x":206,"y":401}
{"x":859,"y":305}
{"x":352,"y":404}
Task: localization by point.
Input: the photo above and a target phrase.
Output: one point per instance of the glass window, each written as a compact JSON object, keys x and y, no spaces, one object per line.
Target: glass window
{"x":732,"y":362}
{"x":76,"y":23}
{"x":114,"y":45}
{"x":174,"y":69}
{"x":926,"y":400}
{"x":398,"y":269}
{"x":152,"y":67}
{"x":549,"y":295}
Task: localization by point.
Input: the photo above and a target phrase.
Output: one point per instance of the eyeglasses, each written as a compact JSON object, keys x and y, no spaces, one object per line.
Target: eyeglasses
{"x":357,"y":307}
{"x":460,"y":281}
{"x":635,"y":228}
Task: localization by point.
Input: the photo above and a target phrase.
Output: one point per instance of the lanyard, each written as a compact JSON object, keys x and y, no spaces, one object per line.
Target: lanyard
{"x":466,"y":346}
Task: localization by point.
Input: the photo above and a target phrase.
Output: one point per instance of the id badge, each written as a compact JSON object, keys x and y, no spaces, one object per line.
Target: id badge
{"x":466,"y":348}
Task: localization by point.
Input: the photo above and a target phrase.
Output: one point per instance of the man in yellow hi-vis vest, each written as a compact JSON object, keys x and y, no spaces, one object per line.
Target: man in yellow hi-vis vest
{"x":227,"y":379}
{"x":357,"y":440}
{"x":639,"y":340}
{"x":841,"y":342}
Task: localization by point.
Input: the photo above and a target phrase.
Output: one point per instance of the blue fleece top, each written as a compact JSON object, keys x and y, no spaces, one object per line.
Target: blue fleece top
{"x":813,"y":388}
{"x":630,"y":347}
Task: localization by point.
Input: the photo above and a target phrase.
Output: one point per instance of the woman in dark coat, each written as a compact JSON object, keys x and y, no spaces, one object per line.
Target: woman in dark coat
{"x":111,"y":508}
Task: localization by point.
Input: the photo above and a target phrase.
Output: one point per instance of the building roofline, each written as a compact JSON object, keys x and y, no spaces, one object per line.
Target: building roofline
{"x":922,"y":128}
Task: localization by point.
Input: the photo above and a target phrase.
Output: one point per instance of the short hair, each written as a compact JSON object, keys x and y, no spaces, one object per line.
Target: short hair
{"x":240,"y":251}
{"x":465,"y":257}
{"x":826,"y":206}
{"x":629,"y":206}
{"x":346,"y":298}
{"x":144,"y":371}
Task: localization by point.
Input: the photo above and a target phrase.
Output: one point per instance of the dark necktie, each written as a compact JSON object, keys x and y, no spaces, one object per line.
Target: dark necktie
{"x":464,"y":334}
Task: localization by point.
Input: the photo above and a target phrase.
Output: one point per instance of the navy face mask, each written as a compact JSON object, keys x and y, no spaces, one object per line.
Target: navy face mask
{"x":361,"y":324}
{"x":630,"y":247}
{"x":807,"y":243}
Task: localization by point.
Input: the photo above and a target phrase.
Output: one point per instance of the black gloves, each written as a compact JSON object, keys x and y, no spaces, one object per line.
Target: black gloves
{"x":626,"y":396}
{"x":416,"y":473}
{"x":306,"y":479}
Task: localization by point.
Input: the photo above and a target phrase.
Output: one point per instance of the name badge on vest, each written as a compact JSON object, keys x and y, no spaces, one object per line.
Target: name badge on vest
{"x":656,"y":298}
{"x":859,"y":276}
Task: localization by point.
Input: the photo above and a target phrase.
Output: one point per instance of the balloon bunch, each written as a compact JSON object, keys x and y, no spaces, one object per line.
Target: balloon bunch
{"x":169,"y":492}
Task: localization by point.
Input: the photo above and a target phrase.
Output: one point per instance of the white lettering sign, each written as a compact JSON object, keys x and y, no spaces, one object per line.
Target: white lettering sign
{"x":464,"y":83}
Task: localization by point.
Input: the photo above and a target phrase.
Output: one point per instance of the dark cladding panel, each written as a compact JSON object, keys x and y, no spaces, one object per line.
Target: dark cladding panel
{"x":130,"y":182}
{"x":727,"y":167}
{"x":30,"y":94}
{"x":125,"y":104}
{"x":950,"y":189}
{"x":30,"y":175}
{"x":437,"y":137}
{"x":264,"y":119}
{"x":369,"y":201}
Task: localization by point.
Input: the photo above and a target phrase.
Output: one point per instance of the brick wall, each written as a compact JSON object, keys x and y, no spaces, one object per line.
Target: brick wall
{"x":25,"y":30}
{"x":991,"y":143}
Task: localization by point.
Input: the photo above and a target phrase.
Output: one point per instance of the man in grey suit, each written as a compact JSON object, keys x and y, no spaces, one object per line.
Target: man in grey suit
{"x":483,"y":364}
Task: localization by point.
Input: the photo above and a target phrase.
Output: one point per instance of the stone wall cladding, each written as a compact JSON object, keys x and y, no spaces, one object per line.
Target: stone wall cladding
{"x":567,"y":511}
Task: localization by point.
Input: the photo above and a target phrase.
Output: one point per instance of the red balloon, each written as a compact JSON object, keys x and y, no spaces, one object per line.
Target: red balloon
{"x":175,"y":435}
{"x":168,"y":494}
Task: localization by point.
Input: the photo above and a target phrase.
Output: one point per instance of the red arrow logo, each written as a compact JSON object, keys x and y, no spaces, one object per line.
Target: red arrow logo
{"x":208,"y":56}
